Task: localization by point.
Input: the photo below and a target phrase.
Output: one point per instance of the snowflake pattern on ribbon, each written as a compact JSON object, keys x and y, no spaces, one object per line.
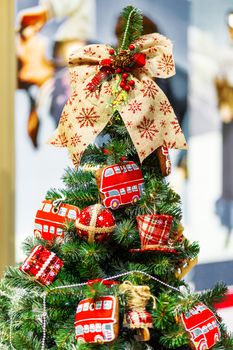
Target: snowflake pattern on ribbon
{"x":149,"y":89}
{"x":147,"y":128}
{"x":135,"y":107}
{"x":87,"y":117}
{"x":166,"y":64}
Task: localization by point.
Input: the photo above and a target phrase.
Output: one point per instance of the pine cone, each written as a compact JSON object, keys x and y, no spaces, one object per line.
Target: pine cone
{"x":122,"y":59}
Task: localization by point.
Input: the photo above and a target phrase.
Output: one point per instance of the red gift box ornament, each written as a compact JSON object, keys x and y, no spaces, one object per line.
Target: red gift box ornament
{"x":95,"y":223}
{"x":50,"y":219}
{"x":202,"y":327}
{"x":42,"y":265}
{"x":154,"y":231}
{"x":97,"y":320}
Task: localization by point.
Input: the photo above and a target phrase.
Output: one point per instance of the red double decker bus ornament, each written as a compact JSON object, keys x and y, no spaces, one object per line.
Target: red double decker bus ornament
{"x":97,"y":320}
{"x":201,"y":325}
{"x":51,"y":217}
{"x":120,"y":184}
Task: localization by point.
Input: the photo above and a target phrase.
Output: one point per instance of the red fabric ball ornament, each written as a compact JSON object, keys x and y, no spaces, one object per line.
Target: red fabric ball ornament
{"x":127,"y":88}
{"x":118,"y":70}
{"x":131,"y":47}
{"x":125,"y":75}
{"x":139,"y":59}
{"x":111,"y":52}
{"x":95,"y":223}
{"x":131,"y":82}
{"x":127,"y":69}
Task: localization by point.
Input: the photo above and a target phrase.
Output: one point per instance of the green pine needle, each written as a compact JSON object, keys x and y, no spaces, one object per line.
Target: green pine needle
{"x":131,"y":26}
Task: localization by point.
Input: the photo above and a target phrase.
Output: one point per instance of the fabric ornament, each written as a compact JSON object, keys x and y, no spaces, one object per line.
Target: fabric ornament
{"x":95,"y":223}
{"x":51,"y":217}
{"x":42,"y":265}
{"x":120,"y":184}
{"x":154,"y":231}
{"x":162,"y":154}
{"x":97,"y":320}
{"x":201,"y":326}
{"x":137,"y":317}
{"x":99,"y":89}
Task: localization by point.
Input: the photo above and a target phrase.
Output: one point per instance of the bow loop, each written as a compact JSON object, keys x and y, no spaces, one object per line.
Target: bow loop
{"x":158,"y":50}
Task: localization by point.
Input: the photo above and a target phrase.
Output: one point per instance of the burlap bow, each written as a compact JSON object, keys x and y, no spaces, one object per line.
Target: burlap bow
{"x":145,"y":109}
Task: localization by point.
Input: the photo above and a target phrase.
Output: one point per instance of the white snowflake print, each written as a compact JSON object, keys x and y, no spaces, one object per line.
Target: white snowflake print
{"x":135,"y":106}
{"x":149,"y":89}
{"x":87,"y":117}
{"x":75,"y":139}
{"x":166,"y":64}
{"x":176,"y":126}
{"x":147,"y":128}
{"x":165,"y":107}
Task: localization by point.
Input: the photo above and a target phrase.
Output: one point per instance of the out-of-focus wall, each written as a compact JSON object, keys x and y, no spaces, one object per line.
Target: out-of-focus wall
{"x":210,"y":202}
{"x":7,"y":86}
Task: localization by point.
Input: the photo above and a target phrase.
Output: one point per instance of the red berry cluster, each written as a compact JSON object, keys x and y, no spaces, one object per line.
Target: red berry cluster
{"x":126,"y":84}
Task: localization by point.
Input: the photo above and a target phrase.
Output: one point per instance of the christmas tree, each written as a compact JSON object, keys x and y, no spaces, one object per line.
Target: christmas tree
{"x":105,"y":266}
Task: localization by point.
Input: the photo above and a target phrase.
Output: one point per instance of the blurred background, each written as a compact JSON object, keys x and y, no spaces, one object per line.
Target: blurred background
{"x":201,"y":94}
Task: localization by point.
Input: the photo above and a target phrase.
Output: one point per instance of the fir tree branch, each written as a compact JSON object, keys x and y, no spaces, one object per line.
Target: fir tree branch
{"x":131,"y":26}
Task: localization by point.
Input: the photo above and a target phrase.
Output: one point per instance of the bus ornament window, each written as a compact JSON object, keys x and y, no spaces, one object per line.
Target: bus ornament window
{"x":135,"y":167}
{"x":117,"y":169}
{"x":98,"y":305}
{"x":47,"y":207}
{"x":72,"y":214}
{"x":62,"y":211}
{"x":85,"y":306}
{"x":107,"y":305}
{"x":109,"y":172}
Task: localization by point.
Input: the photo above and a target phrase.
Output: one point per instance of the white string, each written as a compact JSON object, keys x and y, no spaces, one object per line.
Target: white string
{"x":126,"y":29}
{"x":44,"y":319}
{"x":59,"y":200}
{"x":44,"y":314}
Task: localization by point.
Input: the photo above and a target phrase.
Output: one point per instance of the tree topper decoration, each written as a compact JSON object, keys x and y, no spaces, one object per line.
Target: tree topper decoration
{"x":104,"y":80}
